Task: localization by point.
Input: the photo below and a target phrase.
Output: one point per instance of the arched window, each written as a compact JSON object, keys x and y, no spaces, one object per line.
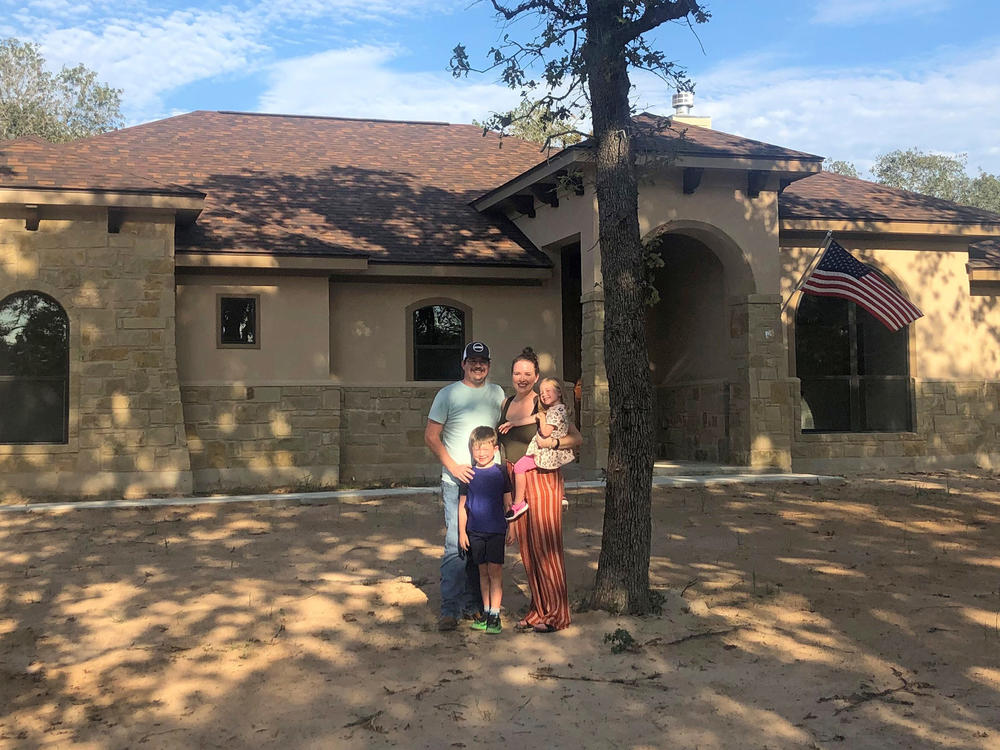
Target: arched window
{"x":855,"y":372}
{"x":438,"y":338}
{"x":34,"y":369}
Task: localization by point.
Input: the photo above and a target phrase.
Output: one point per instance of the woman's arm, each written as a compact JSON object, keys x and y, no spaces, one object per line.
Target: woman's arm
{"x":573,"y":439}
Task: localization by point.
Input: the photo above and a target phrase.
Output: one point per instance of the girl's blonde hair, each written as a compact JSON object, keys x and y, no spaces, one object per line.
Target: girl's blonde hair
{"x":542,"y":407}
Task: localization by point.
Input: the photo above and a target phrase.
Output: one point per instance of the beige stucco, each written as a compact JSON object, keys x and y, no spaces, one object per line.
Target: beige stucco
{"x":294,"y":335}
{"x":959,"y":336}
{"x":369,"y":322}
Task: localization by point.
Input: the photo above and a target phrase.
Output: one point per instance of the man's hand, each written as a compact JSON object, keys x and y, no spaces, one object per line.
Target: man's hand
{"x":462,"y":472}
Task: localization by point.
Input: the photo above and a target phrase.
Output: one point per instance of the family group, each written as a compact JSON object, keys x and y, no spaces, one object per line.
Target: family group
{"x":489,"y":505}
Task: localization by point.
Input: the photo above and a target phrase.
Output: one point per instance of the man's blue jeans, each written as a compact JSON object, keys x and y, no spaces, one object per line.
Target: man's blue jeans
{"x":459,"y":582}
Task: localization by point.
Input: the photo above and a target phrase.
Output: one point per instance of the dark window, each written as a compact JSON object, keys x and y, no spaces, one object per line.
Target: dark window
{"x":855,"y":372}
{"x":438,"y":339}
{"x":34,"y":369}
{"x":239,"y":321}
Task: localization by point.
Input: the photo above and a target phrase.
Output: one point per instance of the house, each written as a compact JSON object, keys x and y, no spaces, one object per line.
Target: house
{"x":225,"y":300}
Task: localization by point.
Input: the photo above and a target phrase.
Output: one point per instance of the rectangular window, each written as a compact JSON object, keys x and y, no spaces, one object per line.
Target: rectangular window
{"x":239,"y":322}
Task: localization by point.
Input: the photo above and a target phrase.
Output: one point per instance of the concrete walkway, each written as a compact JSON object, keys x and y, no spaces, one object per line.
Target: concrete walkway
{"x":336,"y":496}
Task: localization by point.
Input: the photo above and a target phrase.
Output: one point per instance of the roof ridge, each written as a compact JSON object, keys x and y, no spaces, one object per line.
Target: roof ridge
{"x":330,"y":117}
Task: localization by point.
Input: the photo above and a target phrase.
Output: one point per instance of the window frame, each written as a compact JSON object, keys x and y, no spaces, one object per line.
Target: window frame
{"x":64,"y":377}
{"x":854,"y":379}
{"x":411,"y":350}
{"x":219,"y":343}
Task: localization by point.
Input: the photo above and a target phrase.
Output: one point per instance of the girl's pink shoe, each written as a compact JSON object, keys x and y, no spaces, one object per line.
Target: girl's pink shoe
{"x":516,"y":511}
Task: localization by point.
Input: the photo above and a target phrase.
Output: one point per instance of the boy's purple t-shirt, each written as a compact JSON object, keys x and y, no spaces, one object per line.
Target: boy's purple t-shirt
{"x":484,"y":500}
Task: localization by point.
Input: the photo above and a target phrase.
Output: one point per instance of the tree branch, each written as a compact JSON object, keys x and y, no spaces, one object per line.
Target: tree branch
{"x":656,"y":14}
{"x":548,"y":6}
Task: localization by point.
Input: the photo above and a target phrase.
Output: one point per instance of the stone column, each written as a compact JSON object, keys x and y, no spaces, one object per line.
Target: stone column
{"x":594,"y":411}
{"x":762,"y":398}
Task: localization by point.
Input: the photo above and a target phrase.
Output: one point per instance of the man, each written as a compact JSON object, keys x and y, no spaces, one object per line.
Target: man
{"x":457,"y":410}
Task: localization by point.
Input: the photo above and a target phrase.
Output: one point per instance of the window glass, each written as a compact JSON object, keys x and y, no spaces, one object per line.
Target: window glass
{"x":34,"y":369}
{"x":238,"y":321}
{"x":854,"y":371}
{"x":438,"y":340}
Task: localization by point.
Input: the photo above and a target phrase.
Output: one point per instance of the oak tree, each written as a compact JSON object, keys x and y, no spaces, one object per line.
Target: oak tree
{"x":579,"y":60}
{"x":55,"y":106}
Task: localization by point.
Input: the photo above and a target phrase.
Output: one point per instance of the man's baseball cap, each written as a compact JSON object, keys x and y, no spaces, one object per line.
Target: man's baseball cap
{"x":476,"y":349}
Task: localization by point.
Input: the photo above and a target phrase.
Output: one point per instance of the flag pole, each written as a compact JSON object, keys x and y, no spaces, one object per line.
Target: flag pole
{"x":805,"y":274}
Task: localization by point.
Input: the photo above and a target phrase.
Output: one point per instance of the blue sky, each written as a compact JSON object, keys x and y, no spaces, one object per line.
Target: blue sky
{"x":847,"y":79}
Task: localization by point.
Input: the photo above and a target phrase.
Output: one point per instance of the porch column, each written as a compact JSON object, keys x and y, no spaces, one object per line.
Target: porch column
{"x":762,"y":397}
{"x":594,"y":411}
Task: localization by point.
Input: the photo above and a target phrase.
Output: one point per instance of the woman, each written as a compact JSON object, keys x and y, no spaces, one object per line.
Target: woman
{"x":539,"y":531}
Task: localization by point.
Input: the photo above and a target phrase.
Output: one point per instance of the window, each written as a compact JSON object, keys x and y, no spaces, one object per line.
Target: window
{"x":34,"y":369}
{"x":239,"y":322}
{"x":438,"y":340}
{"x":854,"y":371}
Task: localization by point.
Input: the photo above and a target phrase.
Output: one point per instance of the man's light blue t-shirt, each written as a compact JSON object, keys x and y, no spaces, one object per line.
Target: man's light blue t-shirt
{"x":461,"y":409}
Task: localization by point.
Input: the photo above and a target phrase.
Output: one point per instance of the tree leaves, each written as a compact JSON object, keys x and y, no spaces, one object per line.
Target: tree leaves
{"x":59,"y":106}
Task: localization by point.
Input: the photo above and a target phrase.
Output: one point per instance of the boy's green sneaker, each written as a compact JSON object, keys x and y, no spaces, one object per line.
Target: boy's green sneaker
{"x":479,"y":622}
{"x":493,"y":624}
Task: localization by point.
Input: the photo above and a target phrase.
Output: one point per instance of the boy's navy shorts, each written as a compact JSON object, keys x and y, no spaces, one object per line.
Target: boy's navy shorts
{"x":486,"y":548}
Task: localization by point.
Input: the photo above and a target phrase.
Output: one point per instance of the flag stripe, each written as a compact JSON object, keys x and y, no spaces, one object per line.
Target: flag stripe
{"x":862,"y":294}
{"x":905,"y":303}
{"x":852,"y":296}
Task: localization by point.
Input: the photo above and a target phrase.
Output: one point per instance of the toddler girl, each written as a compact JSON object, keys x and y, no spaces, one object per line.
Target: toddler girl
{"x":553,"y":422}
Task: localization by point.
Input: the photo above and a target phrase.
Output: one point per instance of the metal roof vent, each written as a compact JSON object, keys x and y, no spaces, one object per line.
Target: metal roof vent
{"x":682,"y":102}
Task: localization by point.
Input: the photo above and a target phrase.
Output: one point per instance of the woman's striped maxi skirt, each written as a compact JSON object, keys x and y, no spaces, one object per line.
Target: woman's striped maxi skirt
{"x":539,"y":534}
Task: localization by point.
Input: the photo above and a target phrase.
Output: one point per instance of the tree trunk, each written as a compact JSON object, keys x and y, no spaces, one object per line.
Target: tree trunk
{"x":622,"y":583}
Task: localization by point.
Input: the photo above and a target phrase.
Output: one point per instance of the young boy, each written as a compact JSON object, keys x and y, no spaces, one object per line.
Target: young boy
{"x":482,"y":528}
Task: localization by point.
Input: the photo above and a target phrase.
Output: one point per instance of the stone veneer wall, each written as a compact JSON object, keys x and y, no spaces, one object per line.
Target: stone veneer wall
{"x":383,"y":435}
{"x":126,"y":434}
{"x":262,"y":437}
{"x":692,"y":421}
{"x":957,"y":424}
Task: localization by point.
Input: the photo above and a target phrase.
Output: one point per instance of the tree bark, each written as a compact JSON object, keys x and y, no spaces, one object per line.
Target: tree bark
{"x":622,"y":583}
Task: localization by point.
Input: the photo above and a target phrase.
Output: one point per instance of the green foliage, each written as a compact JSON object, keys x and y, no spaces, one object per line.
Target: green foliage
{"x":55,"y":106}
{"x":839,"y":166}
{"x":621,"y":641}
{"x":938,"y":175}
{"x":558,"y":60}
{"x":531,"y":121}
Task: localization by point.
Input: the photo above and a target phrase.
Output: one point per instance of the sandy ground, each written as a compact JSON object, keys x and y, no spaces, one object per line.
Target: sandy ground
{"x":860,"y":616}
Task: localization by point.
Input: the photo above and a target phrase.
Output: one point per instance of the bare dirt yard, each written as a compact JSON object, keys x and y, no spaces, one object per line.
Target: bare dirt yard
{"x":865,"y":615}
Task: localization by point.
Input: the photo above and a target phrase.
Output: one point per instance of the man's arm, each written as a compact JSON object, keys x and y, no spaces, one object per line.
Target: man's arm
{"x":463,"y":519}
{"x":432,"y":437}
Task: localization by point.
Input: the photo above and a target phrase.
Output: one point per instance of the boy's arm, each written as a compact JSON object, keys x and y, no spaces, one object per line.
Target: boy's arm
{"x":463,"y":517}
{"x":508,"y":500}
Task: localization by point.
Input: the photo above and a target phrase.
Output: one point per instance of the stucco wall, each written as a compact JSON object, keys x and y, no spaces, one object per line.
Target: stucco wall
{"x":125,"y":423}
{"x":368,"y":342}
{"x":294,"y":330}
{"x":959,"y":336}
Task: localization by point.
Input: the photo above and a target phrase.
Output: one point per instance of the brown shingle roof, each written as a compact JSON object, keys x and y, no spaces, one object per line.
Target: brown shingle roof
{"x":663,"y":134}
{"x":32,"y":163}
{"x":281,"y":184}
{"x":832,"y":196}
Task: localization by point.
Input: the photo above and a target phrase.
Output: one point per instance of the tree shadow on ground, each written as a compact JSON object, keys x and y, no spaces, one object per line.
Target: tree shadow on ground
{"x":312,"y":626}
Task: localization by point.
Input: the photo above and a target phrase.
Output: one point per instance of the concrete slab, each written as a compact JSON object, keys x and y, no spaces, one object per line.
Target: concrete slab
{"x":369,"y":496}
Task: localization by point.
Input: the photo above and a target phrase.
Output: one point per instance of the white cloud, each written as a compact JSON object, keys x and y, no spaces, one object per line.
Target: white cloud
{"x":358,"y":82}
{"x":151,"y":51}
{"x":850,"y":12}
{"x":944,"y":103}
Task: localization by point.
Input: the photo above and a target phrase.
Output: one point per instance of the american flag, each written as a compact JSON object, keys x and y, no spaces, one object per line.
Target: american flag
{"x":840,"y":274}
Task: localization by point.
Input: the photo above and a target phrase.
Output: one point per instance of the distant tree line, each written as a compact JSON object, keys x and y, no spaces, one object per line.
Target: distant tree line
{"x":930,"y":174}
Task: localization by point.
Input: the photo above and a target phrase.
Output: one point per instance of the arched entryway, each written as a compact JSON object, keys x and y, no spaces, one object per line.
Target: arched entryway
{"x":696,"y":337}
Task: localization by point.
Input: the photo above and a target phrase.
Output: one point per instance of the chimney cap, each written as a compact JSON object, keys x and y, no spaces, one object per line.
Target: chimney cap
{"x":682,"y":102}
